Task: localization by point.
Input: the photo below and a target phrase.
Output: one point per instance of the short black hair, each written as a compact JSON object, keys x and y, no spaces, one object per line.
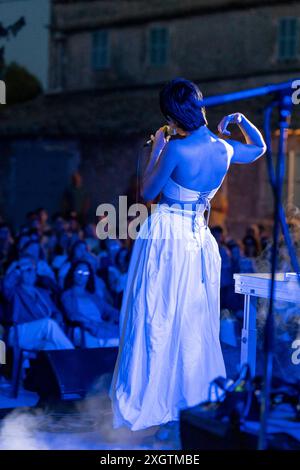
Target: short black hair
{"x":180,"y":100}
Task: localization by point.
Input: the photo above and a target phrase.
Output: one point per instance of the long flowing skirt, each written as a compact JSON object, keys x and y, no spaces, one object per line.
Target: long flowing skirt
{"x":169,"y":348}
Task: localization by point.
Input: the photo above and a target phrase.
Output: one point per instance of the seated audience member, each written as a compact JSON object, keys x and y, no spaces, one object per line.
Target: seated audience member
{"x":74,"y":228}
{"x":113,"y":247}
{"x":46,"y":234}
{"x":34,"y":313}
{"x":109,"y":248}
{"x":239,"y":262}
{"x":6,"y":243}
{"x":45,"y":274}
{"x":226,"y":271}
{"x":79,"y":251}
{"x":43,"y":217}
{"x":24,"y":236}
{"x":122,"y":260}
{"x":33,"y":249}
{"x":91,"y":238}
{"x":264,"y":242}
{"x":264,"y":237}
{"x":251,"y":248}
{"x":60,"y":250}
{"x":82,"y":304}
{"x":254,"y":232}
{"x":11,"y":280}
{"x":117,"y":276}
{"x":103,"y":257}
{"x":250,"y":254}
{"x":59,"y":223}
{"x":235,"y":301}
{"x":32,"y":221}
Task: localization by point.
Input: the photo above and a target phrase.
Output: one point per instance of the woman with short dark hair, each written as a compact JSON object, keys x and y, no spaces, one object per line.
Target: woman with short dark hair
{"x":169,"y":348}
{"x":82,"y":304}
{"x":180,"y":101}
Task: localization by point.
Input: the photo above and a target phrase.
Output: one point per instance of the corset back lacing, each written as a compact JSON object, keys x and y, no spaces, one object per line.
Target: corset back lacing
{"x":202,"y":200}
{"x":195,"y":208}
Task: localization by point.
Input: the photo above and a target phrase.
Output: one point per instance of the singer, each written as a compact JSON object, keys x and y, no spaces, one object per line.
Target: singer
{"x":169,"y":345}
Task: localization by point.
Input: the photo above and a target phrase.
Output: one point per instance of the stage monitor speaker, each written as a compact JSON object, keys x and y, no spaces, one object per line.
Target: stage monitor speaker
{"x":200,"y":432}
{"x":71,"y":374}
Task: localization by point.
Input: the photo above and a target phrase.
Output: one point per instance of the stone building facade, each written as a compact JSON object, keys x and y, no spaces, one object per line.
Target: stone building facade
{"x":108,"y":60}
{"x":221,"y":44}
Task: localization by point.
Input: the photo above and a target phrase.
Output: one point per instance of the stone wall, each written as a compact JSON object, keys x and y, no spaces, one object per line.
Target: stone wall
{"x":223,"y":46}
{"x":213,"y":46}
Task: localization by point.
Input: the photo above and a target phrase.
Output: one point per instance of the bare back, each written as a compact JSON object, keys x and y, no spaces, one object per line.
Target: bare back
{"x":203,"y":160}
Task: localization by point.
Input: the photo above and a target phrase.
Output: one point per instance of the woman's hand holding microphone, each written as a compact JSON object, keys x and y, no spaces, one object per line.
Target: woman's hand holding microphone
{"x":159,"y":140}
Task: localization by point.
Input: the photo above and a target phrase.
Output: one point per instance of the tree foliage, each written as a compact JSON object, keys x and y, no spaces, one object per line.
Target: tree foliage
{"x":21,"y":85}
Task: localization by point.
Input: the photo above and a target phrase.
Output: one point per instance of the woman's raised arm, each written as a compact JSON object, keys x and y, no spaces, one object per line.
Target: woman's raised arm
{"x":255,"y":145}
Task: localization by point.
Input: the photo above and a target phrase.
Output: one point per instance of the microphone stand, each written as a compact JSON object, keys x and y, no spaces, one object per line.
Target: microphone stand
{"x":284,"y":121}
{"x":217,"y":100}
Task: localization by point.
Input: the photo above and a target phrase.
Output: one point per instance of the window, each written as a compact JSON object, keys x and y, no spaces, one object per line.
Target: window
{"x":288,"y":38}
{"x":158,"y":46}
{"x":100,"y":50}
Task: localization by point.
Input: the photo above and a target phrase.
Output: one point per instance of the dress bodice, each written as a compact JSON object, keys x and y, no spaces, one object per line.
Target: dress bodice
{"x":174,"y":193}
{"x":174,"y":190}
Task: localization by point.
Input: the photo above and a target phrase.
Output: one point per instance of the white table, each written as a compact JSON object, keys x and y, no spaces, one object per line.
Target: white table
{"x":257,"y":285}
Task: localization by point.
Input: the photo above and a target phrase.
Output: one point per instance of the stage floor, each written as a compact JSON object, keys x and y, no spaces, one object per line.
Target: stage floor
{"x":86,"y":426}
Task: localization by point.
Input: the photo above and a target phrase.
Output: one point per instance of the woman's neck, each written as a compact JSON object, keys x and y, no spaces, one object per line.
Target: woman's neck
{"x":80,"y":290}
{"x":200,"y":130}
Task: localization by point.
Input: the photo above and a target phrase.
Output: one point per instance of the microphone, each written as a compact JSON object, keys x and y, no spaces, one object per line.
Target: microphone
{"x":148,"y":143}
{"x":168,"y":132}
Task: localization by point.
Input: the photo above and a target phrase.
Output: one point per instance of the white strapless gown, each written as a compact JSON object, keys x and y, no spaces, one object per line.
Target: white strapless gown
{"x":169,"y":325}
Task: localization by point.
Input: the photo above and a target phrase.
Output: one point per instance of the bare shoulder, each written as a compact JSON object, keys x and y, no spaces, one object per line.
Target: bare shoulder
{"x":227,"y":146}
{"x":172,"y":148}
{"x":175,"y":142}
{"x":222,"y":146}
